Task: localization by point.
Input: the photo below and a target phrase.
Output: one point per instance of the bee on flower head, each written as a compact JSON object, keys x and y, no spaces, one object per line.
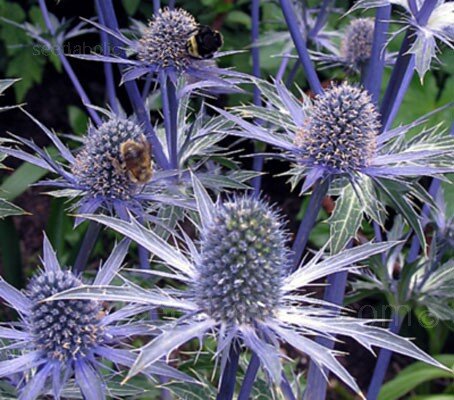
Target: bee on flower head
{"x":204,"y":43}
{"x":136,"y":159}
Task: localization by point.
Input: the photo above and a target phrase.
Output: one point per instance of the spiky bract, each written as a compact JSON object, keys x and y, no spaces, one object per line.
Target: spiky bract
{"x":340,"y":131}
{"x":63,"y":329}
{"x":242,"y":263}
{"x":356,"y":46}
{"x":98,"y":164}
{"x":164,"y":41}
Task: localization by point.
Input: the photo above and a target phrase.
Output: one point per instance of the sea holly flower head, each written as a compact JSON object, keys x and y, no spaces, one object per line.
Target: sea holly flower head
{"x":337,"y":138}
{"x":340,"y":133}
{"x":355,"y":47}
{"x":242,"y":251}
{"x":247,"y":292}
{"x":56,"y":341}
{"x":164,"y":42}
{"x":97,"y":166}
{"x":161,"y":49}
{"x":98,"y":175}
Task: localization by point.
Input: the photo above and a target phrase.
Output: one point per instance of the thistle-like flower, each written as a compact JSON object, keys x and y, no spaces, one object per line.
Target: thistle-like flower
{"x":340,"y":133}
{"x":241,"y":287}
{"x":355,"y":48}
{"x":56,"y":341}
{"x":337,"y":137}
{"x":162,"y":48}
{"x":98,"y":175}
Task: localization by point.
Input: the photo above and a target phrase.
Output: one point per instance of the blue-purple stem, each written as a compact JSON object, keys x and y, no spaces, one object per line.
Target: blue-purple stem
{"x":249,"y":378}
{"x":255,"y":17}
{"x":88,"y":242}
{"x":156,"y":6}
{"x":382,"y":362}
{"x":131,"y":88}
{"x":171,"y":4}
{"x":67,"y":66}
{"x":307,"y":223}
{"x":403,"y":70}
{"x":228,"y":379}
{"x":300,"y":44}
{"x":374,"y":73}
{"x":108,"y":68}
{"x":146,"y":88}
{"x":316,"y":383}
{"x":292,"y":74}
{"x":170,"y":111}
{"x":322,"y":17}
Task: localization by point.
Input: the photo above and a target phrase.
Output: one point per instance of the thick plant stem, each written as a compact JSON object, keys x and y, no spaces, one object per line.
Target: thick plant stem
{"x":132,"y":89}
{"x":88,"y":243}
{"x":322,"y":17}
{"x":316,"y":383}
{"x":383,"y":360}
{"x":228,"y":379}
{"x":374,"y":74}
{"x":255,"y":51}
{"x":170,"y":110}
{"x":249,"y":378}
{"x":108,"y":69}
{"x":403,"y":70}
{"x":67,"y":66}
{"x":156,"y":6}
{"x":315,"y":204}
{"x":300,"y":44}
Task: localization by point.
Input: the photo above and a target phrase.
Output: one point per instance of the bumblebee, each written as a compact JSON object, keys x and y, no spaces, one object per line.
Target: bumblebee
{"x":136,"y":160}
{"x":204,"y":43}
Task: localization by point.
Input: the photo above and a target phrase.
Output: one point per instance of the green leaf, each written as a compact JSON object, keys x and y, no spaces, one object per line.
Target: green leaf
{"x":404,"y":205}
{"x":131,"y":6}
{"x":10,"y":253}
{"x":345,"y":220}
{"x":8,"y":209}
{"x":77,"y":119}
{"x":240,"y":18}
{"x":28,"y":66}
{"x":18,"y":182}
{"x":414,"y":375}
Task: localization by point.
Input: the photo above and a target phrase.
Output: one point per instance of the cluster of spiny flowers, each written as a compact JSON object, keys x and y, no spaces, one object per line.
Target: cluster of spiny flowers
{"x":99,"y":168}
{"x":234,"y":277}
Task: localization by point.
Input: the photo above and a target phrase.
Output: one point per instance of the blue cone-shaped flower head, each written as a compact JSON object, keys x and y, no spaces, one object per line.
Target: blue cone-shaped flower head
{"x":356,"y":46}
{"x":241,"y":287}
{"x":165,"y":40}
{"x":337,"y":138}
{"x":62,"y":330}
{"x":242,"y":262}
{"x":99,"y":166}
{"x":341,"y":130}
{"x":163,"y":49}
{"x":59,"y":340}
